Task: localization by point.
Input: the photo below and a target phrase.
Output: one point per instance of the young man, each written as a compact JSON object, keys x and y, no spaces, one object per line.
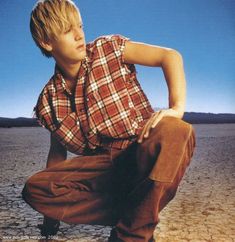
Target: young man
{"x":131,"y":159}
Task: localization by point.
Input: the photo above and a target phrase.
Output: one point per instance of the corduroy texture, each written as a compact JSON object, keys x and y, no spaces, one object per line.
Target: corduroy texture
{"x":123,"y":188}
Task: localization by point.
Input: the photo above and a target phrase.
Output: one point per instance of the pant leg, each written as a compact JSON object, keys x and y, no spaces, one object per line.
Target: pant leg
{"x":78,"y":190}
{"x":171,"y":144}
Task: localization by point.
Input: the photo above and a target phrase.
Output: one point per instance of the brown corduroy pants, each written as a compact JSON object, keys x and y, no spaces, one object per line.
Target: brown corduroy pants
{"x":124,"y":188}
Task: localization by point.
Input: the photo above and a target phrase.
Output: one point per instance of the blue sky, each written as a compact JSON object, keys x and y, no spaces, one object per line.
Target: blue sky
{"x":203,"y":31}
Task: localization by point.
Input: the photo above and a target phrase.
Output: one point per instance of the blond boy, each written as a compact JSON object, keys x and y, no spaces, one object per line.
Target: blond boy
{"x":131,"y":159}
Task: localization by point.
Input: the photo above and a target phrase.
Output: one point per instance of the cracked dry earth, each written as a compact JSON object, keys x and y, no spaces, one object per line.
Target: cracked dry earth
{"x":202,"y":211}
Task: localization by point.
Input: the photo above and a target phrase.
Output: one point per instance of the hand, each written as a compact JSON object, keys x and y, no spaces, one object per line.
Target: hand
{"x":156,"y":117}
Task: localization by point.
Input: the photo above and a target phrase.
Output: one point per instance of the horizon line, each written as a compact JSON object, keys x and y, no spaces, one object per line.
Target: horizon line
{"x":154,"y":108}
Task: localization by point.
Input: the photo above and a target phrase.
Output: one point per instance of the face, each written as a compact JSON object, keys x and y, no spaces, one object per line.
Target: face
{"x":69,"y":47}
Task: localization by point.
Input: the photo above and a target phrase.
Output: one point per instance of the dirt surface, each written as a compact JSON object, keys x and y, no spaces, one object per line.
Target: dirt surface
{"x":202,"y":211}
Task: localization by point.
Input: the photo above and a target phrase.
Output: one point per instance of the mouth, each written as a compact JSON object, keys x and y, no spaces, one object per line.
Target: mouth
{"x":80,"y":46}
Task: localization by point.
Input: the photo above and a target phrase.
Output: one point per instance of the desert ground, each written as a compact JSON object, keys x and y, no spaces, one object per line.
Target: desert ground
{"x":202,"y":211}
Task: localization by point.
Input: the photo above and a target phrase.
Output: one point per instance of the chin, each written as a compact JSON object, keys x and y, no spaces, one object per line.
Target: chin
{"x":78,"y":58}
{"x":82,"y":55}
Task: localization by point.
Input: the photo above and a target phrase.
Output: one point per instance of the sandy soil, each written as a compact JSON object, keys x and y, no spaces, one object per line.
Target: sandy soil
{"x":202,"y":211}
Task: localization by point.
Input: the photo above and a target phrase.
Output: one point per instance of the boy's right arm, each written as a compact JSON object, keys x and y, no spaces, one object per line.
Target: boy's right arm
{"x":57,"y":153}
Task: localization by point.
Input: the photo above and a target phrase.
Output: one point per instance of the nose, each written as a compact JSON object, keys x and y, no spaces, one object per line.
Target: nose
{"x":78,"y":33}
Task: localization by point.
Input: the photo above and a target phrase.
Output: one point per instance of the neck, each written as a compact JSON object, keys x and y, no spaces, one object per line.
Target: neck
{"x":69,"y":71}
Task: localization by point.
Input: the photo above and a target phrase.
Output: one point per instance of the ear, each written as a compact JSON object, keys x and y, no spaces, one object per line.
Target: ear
{"x":46,"y":45}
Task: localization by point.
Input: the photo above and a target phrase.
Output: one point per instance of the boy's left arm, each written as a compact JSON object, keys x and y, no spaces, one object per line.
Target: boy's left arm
{"x":171,"y":63}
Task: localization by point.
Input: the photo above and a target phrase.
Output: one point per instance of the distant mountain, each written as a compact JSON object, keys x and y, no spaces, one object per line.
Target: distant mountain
{"x":18,"y":122}
{"x":191,"y":117}
{"x":208,"y":118}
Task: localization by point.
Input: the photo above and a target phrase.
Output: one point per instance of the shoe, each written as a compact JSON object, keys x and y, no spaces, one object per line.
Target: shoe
{"x":50,"y":227}
{"x":113,"y":237}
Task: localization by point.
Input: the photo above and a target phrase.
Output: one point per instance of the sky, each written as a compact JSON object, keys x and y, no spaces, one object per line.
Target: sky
{"x":203,"y":31}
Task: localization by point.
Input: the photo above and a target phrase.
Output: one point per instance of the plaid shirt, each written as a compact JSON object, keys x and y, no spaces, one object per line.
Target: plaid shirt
{"x":108,"y":107}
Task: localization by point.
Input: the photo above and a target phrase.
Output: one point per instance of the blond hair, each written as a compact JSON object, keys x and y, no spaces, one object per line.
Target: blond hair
{"x":49,"y":18}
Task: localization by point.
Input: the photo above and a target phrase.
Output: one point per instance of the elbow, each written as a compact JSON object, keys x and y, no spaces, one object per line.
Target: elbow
{"x":175,"y":53}
{"x":178,"y":56}
{"x":172,"y":55}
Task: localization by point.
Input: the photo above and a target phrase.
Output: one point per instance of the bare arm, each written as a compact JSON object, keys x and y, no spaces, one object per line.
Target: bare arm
{"x":57,"y":153}
{"x":171,"y":63}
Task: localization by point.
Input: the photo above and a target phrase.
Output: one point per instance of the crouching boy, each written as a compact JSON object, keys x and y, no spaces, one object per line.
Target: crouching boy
{"x":130,"y":159}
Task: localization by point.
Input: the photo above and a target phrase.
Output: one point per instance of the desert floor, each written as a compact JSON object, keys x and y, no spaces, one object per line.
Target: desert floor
{"x":203,"y":209}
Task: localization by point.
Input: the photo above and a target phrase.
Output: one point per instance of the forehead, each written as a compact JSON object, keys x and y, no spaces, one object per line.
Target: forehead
{"x":62,"y":20}
{"x":74,"y":17}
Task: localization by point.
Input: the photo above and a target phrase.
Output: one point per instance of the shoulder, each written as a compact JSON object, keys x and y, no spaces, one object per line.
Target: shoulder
{"x":42,"y":109}
{"x":49,"y":88}
{"x":45,"y":95}
{"x":107,"y":44}
{"x":107,"y":39}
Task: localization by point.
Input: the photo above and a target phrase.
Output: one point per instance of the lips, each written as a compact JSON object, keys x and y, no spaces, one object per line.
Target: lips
{"x":80,"y":46}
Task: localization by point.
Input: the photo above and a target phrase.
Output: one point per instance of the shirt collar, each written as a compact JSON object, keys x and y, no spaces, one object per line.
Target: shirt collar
{"x":60,"y":83}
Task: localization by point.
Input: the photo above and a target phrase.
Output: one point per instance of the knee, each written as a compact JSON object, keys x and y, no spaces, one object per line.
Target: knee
{"x":25,"y":193}
{"x":177,"y":136}
{"x":177,"y":140}
{"x":173,"y":134}
{"x":168,"y":131}
{"x":28,"y":190}
{"x":171,"y":127}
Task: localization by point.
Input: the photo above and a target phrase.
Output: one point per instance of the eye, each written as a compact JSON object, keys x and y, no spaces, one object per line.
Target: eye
{"x":68,"y":29}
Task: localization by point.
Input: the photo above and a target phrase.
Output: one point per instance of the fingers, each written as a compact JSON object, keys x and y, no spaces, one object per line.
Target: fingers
{"x":147,"y":125}
{"x":151,"y":123}
{"x":160,"y":115}
{"x":154,"y":120}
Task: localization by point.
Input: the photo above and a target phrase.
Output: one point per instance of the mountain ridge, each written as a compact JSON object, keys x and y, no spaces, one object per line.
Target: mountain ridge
{"x":190,"y":117}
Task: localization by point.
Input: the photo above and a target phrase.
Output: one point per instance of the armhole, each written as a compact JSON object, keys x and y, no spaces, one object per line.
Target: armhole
{"x":119,"y":45}
{"x":122,"y":48}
